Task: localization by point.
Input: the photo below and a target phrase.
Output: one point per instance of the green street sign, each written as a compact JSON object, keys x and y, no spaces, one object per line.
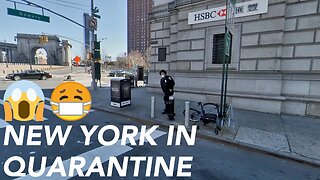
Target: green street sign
{"x":29,"y":15}
{"x":228,"y":44}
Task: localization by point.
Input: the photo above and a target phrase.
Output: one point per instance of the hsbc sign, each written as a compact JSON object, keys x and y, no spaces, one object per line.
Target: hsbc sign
{"x":242,"y":9}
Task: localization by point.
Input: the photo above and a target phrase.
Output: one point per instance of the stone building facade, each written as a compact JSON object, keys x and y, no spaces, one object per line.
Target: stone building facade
{"x":7,"y":52}
{"x":275,"y":61}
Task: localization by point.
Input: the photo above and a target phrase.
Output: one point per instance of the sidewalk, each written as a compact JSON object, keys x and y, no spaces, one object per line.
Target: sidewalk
{"x":288,"y":136}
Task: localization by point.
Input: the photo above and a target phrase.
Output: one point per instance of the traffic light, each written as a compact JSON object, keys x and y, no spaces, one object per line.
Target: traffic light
{"x":43,"y":39}
{"x":96,"y":51}
{"x":89,"y":56}
{"x":96,"y":10}
{"x":46,"y":39}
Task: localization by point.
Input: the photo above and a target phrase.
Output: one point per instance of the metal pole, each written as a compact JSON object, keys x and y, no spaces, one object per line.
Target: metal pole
{"x":53,"y":12}
{"x":153,"y":100}
{"x":93,"y":83}
{"x":222,"y":87}
{"x":226,"y":86}
{"x":187,"y":114}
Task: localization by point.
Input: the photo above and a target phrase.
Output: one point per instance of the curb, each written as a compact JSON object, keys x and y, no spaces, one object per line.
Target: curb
{"x":205,"y":136}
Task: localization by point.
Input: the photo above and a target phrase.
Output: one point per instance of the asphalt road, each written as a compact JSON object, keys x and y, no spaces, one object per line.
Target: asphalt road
{"x":211,"y":160}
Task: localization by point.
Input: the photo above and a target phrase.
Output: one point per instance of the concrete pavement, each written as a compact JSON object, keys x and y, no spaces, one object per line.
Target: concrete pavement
{"x":288,"y":136}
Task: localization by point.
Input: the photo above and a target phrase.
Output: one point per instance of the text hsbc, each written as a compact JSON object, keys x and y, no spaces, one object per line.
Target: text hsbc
{"x":205,"y":15}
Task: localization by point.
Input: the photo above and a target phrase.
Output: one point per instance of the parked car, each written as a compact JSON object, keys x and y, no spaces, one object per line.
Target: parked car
{"x":117,"y":73}
{"x":29,"y":74}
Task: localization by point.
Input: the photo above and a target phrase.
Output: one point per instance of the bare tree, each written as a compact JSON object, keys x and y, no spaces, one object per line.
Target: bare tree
{"x":133,"y":60}
{"x":121,"y":62}
{"x":136,"y":58}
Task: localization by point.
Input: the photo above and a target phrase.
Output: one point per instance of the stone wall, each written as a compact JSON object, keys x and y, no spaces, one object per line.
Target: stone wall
{"x":275,"y":56}
{"x":52,"y":48}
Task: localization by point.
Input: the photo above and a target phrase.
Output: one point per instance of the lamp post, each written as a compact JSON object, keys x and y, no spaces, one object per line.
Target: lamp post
{"x":102,"y":52}
{"x":93,"y":83}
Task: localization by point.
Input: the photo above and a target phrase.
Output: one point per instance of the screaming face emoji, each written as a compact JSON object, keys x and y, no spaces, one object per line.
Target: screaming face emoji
{"x":23,"y":101}
{"x":71,"y":101}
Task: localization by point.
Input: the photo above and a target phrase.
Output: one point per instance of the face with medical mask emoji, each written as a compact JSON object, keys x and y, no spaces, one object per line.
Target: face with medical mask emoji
{"x":23,"y":101}
{"x":71,"y":101}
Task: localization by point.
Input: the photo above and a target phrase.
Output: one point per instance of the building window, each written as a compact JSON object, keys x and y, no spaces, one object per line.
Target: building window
{"x":162,"y":53}
{"x":215,"y":41}
{"x":218,"y":49}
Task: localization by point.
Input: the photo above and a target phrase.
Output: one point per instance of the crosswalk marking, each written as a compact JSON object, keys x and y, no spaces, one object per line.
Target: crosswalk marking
{"x":48,"y":107}
{"x":104,"y":152}
{"x":3,"y":123}
{"x":44,"y":119}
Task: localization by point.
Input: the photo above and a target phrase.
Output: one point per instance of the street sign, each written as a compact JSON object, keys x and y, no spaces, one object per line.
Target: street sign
{"x":93,"y":23}
{"x":227,"y":48}
{"x":29,"y":15}
{"x":231,"y":8}
{"x":77,"y":59}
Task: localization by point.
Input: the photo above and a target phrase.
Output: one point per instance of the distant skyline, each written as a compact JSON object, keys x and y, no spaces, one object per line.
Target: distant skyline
{"x":112,"y":26}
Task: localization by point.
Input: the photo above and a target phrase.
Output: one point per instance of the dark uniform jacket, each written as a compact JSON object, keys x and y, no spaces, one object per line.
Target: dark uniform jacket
{"x":167,"y":84}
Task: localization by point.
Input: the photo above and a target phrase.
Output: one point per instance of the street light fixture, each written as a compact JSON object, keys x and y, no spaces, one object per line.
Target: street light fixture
{"x":102,"y":53}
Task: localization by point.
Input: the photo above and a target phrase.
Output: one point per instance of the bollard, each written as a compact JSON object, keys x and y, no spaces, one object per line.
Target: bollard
{"x":153,"y":100}
{"x":187,"y":114}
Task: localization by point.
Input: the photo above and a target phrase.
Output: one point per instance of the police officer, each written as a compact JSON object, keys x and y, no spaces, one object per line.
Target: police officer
{"x":167,"y":85}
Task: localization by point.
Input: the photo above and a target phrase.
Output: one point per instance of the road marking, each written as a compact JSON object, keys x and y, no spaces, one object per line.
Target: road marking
{"x":48,"y":107}
{"x":3,"y":123}
{"x":104,"y":152}
{"x":44,"y":119}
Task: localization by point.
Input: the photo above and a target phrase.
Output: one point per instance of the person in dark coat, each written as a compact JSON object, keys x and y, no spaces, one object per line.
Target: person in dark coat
{"x":167,"y":85}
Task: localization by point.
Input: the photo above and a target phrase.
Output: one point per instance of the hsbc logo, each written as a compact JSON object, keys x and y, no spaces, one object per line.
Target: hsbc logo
{"x":210,"y":15}
{"x":222,"y":12}
{"x":205,"y":15}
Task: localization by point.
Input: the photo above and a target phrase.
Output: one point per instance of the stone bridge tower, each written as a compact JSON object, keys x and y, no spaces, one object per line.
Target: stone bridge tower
{"x":28,"y":44}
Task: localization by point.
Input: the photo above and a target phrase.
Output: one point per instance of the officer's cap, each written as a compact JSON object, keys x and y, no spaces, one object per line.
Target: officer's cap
{"x":163,"y":71}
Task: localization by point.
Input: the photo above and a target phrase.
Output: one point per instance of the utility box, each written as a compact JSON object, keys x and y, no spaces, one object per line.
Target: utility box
{"x":120,"y":92}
